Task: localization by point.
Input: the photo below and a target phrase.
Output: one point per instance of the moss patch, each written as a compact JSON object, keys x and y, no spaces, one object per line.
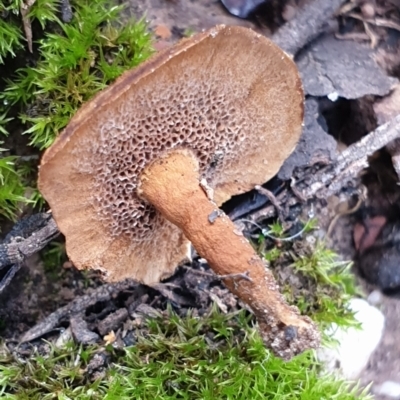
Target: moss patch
{"x":212,"y":357}
{"x":311,"y":276}
{"x":71,"y":61}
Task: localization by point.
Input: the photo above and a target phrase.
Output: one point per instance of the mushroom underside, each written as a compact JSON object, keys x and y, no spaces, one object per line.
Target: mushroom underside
{"x":226,"y":105}
{"x":171,"y":184}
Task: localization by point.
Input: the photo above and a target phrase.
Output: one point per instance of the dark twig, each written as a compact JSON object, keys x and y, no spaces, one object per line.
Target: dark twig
{"x":353,"y":159}
{"x":9,"y":275}
{"x":370,"y":143}
{"x":75,"y":307}
{"x":330,"y":179}
{"x":309,"y":23}
{"x":27,"y":237}
{"x":270,"y":211}
{"x":244,"y":276}
{"x":274,"y":201}
{"x":296,"y":191}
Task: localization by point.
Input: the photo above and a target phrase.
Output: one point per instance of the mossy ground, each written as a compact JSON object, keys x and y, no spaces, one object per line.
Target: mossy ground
{"x":212,"y":357}
{"x":40,"y":92}
{"x":313,"y":277}
{"x":215,"y":356}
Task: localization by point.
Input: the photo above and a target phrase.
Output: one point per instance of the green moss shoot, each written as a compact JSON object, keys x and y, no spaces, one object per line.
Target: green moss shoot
{"x":311,"y":276}
{"x":72,"y":61}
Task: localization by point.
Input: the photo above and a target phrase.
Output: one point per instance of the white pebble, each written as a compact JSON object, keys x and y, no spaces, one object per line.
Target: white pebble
{"x":375,"y":298}
{"x":64,"y":338}
{"x":389,"y":388}
{"x":355,"y":346}
{"x":333,"y":96}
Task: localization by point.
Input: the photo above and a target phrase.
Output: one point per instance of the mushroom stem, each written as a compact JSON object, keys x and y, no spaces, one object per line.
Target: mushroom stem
{"x":171,"y":185}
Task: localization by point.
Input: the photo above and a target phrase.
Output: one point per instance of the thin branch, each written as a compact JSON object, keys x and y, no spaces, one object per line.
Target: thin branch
{"x":26,"y":238}
{"x":330,"y":179}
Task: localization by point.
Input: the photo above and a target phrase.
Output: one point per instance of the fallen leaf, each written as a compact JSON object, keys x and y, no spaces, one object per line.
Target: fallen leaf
{"x":110,"y":338}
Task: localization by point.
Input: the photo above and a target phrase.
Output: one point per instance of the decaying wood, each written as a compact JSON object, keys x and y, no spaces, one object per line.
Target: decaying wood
{"x":274,"y":201}
{"x":76,"y":307}
{"x":309,"y":23}
{"x":27,"y":237}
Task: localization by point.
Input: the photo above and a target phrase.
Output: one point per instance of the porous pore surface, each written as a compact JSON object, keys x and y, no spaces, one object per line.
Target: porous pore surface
{"x":228,"y":94}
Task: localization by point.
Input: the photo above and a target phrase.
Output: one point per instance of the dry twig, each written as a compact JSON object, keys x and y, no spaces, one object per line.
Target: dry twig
{"x":27,"y":237}
{"x":75,"y":307}
{"x":330,"y":179}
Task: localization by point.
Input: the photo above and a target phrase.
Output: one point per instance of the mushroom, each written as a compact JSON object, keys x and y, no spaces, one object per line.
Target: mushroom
{"x":140,"y":170}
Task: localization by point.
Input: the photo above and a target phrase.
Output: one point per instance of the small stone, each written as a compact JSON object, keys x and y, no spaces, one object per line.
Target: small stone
{"x":389,"y":389}
{"x":368,"y":10}
{"x":375,"y":298}
{"x":67,"y":265}
{"x":289,"y":12}
{"x":311,"y":239}
{"x":355,"y":346}
{"x":64,"y":338}
{"x":129,"y":339}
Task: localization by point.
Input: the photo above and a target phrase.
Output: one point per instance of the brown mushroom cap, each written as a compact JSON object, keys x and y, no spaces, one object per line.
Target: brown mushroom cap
{"x":229,"y":95}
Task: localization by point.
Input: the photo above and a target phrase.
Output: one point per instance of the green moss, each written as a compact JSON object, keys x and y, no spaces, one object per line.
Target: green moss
{"x":12,"y":190}
{"x":331,"y":284}
{"x":213,"y":357}
{"x":10,"y":40}
{"x":76,"y":60}
{"x":311,"y":275}
{"x":53,"y":257}
{"x":72,"y":62}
